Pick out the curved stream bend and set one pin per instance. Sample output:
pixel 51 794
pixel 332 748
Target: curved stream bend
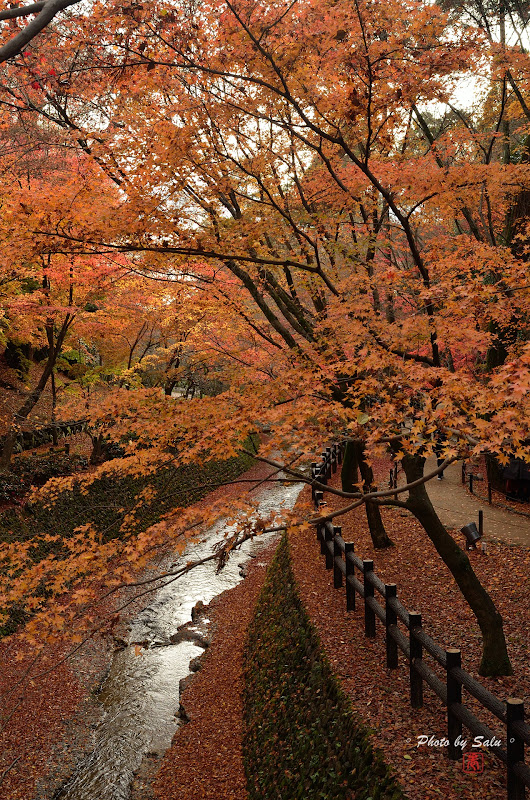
pixel 141 694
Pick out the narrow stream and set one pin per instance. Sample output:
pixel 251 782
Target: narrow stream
pixel 141 694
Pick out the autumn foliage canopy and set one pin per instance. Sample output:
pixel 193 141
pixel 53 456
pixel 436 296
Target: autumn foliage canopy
pixel 316 212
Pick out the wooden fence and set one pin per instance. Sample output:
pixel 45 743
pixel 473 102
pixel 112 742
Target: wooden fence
pixel 415 643
pixel 43 434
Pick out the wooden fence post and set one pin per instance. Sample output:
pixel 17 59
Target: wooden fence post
pixel 323 473
pixel 515 728
pixel 337 553
pixel 334 458
pixel 416 653
pixel 391 619
pixel 328 537
pixel 514 748
pixel 314 469
pixel 350 570
pixel 454 696
pixel 369 616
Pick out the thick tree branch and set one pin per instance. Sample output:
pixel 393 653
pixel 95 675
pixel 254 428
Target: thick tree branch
pixel 46 12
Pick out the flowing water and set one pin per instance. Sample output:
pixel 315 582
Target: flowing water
pixel 141 694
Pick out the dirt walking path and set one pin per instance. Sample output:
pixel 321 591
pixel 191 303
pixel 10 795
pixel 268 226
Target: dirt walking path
pixel 457 507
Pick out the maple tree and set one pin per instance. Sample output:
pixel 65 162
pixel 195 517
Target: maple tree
pixel 43 294
pixel 20 31
pixel 357 261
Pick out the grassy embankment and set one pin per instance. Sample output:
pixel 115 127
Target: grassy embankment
pixel 106 503
pixel 302 737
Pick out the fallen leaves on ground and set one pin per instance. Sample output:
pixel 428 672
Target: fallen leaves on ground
pixel 381 695
pixel 51 726
pixel 205 760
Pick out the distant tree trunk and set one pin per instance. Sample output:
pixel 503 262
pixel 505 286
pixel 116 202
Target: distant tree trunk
pixel 173 365
pixel 22 414
pixel 498 349
pixel 34 396
pixel 495 660
pixel 390 312
pixel 353 462
pixel 97 455
pixel 55 437
pixel 169 385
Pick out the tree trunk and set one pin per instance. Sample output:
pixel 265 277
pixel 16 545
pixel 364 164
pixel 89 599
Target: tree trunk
pixel 380 539
pixel 169 385
pixel 55 435
pixel 33 397
pixel 495 660
pixel 353 462
pixel 378 533
pixel 23 413
pixel 96 456
pixel 349 474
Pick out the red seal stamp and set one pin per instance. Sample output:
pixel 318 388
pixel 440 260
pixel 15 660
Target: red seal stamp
pixel 473 762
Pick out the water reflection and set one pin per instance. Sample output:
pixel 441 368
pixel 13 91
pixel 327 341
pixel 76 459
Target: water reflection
pixel 141 694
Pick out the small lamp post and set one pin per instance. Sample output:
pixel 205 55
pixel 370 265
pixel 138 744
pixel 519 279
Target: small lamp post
pixel 472 535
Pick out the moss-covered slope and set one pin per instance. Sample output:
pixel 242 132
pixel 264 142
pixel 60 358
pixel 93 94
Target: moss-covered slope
pixel 302 738
pixel 105 504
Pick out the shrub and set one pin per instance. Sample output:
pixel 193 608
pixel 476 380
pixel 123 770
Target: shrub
pixel 12 487
pixel 37 469
pixel 302 738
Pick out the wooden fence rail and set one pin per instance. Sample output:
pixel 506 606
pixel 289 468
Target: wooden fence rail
pixel 43 434
pixel 340 557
